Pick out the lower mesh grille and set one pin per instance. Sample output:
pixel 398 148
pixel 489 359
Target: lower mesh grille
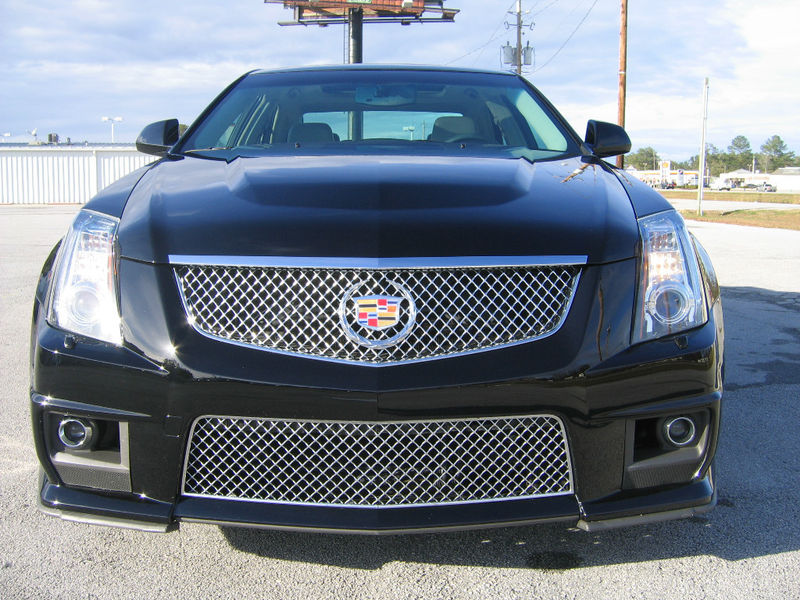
pixel 377 464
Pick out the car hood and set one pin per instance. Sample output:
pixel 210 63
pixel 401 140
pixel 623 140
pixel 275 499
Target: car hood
pixel 377 206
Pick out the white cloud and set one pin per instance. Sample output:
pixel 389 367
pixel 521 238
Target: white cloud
pixel 63 65
pixel 764 95
pixel 748 50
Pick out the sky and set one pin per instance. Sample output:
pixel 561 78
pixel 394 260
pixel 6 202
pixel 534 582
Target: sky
pixel 64 65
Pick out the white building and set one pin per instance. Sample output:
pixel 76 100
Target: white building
pixel 665 175
pixel 786 179
pixel 63 174
pixel 741 178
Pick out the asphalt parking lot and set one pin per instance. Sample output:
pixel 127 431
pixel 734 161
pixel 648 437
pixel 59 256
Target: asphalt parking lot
pixel 748 547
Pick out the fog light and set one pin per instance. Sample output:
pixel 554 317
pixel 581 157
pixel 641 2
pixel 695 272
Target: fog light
pixel 77 434
pixel 679 431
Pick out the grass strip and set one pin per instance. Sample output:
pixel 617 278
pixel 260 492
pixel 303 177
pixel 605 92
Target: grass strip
pixel 734 196
pixel 774 219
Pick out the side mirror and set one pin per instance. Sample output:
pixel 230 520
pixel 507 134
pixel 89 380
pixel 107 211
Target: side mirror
pixel 607 139
pixel 157 138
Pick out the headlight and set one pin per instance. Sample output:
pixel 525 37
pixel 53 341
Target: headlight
pixel 84 295
pixel 670 297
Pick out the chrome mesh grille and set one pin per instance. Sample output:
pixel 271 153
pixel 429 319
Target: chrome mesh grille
pixel 310 310
pixel 377 464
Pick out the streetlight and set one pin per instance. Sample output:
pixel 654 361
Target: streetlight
pixel 410 129
pixel 111 120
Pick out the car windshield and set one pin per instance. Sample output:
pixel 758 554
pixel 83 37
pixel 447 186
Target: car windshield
pixel 367 111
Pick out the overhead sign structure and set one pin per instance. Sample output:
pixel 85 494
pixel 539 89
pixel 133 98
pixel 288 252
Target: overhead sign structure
pixel 328 8
pixel 327 12
pixel 354 13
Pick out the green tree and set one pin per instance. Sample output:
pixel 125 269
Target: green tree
pixel 644 159
pixel 687 165
pixel 739 145
pixel 740 155
pixel 775 154
pixel 717 161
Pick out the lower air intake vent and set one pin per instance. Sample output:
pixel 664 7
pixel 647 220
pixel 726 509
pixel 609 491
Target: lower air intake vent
pixel 377 463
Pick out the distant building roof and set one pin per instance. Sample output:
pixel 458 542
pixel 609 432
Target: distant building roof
pixel 42 144
pixel 741 174
pixel 787 171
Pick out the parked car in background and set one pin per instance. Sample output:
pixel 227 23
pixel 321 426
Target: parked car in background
pixel 720 184
pixel 308 315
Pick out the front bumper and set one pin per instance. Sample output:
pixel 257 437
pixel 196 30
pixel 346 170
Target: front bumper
pixel 601 408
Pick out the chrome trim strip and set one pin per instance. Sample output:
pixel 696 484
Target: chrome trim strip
pixel 194 326
pixel 342 262
pixel 563 431
pixel 83 409
pixel 379 506
pixel 380 532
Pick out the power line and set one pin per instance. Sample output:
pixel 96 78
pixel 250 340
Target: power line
pixel 492 38
pixel 540 11
pixel 574 31
pixel 450 62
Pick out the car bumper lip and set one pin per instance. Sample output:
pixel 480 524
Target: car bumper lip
pixel 647 519
pixel 83 506
pixel 151 516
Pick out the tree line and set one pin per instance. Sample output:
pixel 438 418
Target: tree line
pixel 774 154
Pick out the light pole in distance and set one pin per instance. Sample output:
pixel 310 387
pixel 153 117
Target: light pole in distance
pixel 111 120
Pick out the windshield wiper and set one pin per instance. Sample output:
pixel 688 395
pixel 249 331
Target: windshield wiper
pixel 199 152
pixel 207 149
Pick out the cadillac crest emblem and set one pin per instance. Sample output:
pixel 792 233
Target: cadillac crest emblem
pixel 377 312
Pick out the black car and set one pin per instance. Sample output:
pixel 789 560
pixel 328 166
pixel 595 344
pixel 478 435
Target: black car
pixel 377 300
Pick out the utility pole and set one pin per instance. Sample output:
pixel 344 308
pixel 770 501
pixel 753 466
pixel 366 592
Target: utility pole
pixel 355 27
pixel 701 174
pixel 517 55
pixel 623 67
pixel 355 55
pixel 519 37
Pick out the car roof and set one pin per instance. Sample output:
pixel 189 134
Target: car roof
pixel 381 67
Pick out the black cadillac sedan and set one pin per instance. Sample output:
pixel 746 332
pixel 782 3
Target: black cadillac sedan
pixel 377 300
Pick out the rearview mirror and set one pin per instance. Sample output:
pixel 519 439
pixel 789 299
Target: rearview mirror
pixel 607 139
pixel 157 138
pixel 385 95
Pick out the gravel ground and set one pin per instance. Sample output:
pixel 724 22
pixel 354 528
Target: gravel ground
pixel 748 547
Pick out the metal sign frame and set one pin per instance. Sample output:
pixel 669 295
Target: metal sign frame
pixel 332 12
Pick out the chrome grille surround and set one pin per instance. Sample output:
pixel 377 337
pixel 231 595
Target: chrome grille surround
pixel 309 311
pixel 377 464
